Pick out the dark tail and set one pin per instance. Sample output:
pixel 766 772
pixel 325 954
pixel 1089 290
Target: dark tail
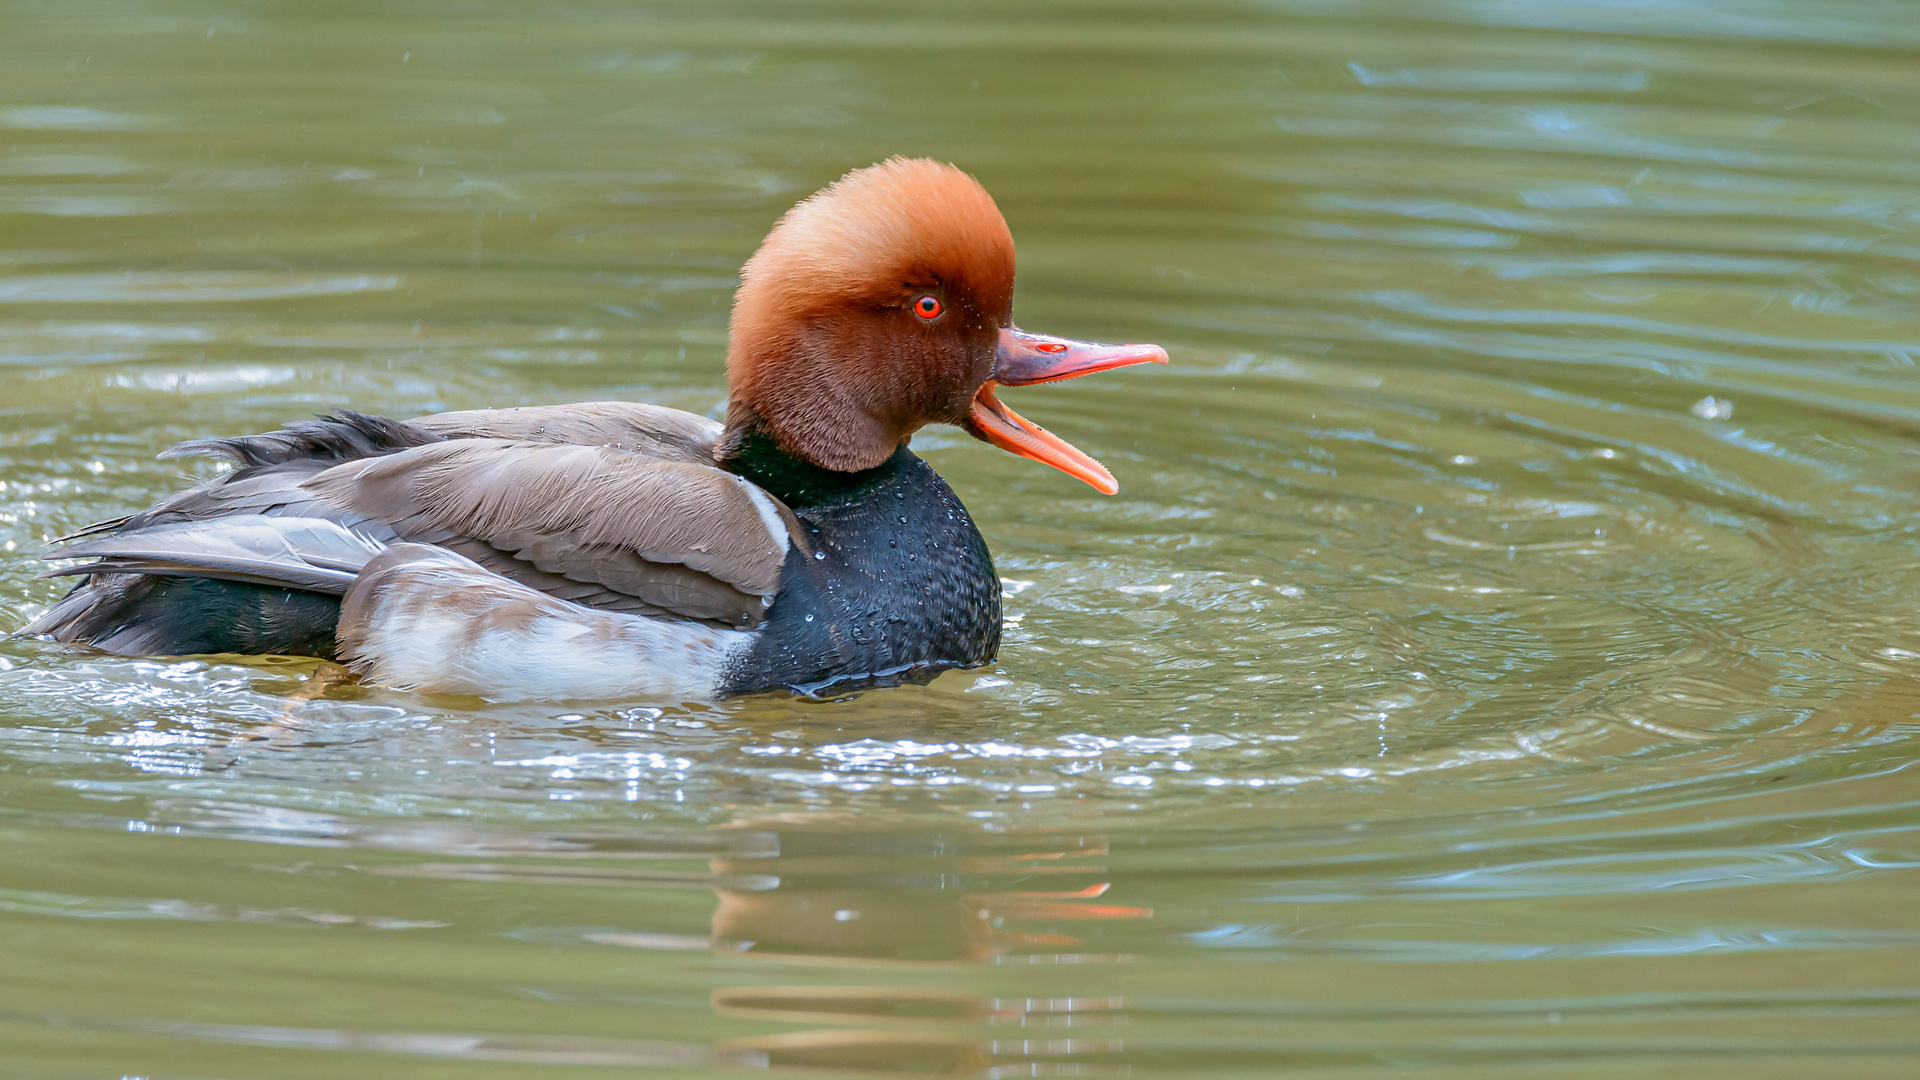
pixel 242 584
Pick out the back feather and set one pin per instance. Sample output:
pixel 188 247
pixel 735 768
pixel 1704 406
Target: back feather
pixel 341 435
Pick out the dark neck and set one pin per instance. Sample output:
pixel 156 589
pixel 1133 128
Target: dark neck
pixel 748 450
pixel 889 580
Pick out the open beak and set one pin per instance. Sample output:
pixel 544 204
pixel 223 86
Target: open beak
pixel 1025 359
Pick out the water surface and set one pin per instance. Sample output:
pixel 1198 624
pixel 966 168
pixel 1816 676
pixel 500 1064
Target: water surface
pixel 1501 658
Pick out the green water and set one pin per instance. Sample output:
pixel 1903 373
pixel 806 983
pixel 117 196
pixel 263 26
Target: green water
pixel 1502 658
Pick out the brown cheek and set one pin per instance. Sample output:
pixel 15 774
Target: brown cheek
pixel 913 378
pixel 966 361
pixel 986 347
pixel 886 370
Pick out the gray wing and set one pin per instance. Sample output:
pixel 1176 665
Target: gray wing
pixel 303 553
pixel 611 505
pixel 600 526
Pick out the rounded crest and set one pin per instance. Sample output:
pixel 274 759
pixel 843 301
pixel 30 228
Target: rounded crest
pixel 825 349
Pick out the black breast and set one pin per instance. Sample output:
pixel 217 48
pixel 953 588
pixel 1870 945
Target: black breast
pixel 892 583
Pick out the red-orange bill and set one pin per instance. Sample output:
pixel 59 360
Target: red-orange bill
pixel 1025 359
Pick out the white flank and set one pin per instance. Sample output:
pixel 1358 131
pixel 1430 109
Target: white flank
pixel 444 624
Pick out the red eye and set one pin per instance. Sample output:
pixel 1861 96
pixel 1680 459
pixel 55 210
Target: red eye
pixel 927 307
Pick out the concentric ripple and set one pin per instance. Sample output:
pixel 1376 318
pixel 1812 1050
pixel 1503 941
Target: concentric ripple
pixel 1501 657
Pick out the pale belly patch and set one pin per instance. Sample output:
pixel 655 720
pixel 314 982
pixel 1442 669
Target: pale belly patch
pixel 424 618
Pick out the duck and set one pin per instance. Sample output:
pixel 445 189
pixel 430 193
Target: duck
pixel 620 550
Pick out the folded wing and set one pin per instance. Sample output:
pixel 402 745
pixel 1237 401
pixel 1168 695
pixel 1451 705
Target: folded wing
pixel 290 552
pixel 609 505
pixel 600 526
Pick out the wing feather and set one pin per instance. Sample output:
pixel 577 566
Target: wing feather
pixel 611 505
pixel 686 538
pixel 304 553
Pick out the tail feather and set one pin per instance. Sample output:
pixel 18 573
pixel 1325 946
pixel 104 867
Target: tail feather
pixel 187 576
pixel 94 529
pixel 170 615
pixel 311 554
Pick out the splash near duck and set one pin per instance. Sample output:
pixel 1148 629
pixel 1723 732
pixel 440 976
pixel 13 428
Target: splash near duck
pixel 610 549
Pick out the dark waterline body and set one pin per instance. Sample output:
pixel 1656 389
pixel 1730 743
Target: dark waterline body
pixel 1500 659
pixel 893 585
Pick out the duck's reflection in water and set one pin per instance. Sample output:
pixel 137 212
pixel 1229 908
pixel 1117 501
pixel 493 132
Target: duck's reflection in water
pixel 895 901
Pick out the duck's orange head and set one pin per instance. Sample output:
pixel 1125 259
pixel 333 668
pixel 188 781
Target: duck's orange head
pixel 884 303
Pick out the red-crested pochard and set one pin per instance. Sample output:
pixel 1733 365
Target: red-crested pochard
pixel 610 550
